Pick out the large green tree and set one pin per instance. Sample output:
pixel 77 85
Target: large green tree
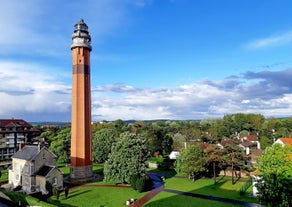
pixel 128 157
pixel 275 176
pixel 234 157
pixel 102 141
pixel 60 145
pixel 191 162
pixel 214 157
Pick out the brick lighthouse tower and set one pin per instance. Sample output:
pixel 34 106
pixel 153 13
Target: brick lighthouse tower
pixel 81 140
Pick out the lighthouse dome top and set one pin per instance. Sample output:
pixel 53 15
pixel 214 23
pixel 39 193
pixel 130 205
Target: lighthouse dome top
pixel 81 26
pixel 80 36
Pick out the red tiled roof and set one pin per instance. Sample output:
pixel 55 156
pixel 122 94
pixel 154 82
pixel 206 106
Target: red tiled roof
pixel 250 137
pixel 13 122
pixel 286 140
pixel 246 143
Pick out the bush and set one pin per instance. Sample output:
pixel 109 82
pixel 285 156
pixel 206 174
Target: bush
pixel 56 193
pixel 49 187
pixel 244 188
pixel 133 181
pixel 141 184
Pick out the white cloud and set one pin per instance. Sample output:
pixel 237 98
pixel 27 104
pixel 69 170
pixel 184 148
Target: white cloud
pixel 275 40
pixel 31 89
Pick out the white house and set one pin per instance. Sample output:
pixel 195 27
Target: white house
pixel 173 155
pixel 32 167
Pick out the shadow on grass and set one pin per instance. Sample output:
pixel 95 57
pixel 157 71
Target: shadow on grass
pixel 165 173
pixel 77 193
pixel 209 195
pixel 59 204
pixel 71 195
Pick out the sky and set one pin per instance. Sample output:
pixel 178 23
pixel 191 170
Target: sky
pixel 150 59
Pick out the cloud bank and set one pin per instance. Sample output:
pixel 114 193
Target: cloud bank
pixel 266 92
pixel 30 93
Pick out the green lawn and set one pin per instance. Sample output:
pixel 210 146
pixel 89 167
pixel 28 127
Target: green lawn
pixel 103 196
pixel 165 199
pixel 222 188
pixel 97 196
pixel 4 176
pixel 65 168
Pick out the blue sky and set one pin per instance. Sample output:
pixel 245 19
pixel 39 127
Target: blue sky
pixel 151 59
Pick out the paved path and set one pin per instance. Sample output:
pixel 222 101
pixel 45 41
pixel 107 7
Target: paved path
pixel 147 197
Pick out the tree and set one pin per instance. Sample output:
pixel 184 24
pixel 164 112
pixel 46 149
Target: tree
pixel 213 159
pixel 234 157
pixel 191 162
pixel 102 141
pixel 60 145
pixel 178 141
pixel 128 157
pixel 275 176
pixel 66 189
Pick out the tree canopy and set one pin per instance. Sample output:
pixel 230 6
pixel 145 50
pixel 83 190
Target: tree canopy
pixel 191 162
pixel 127 158
pixel 275 176
pixel 60 145
pixel 102 141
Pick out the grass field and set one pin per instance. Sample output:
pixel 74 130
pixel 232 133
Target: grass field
pixel 97 196
pixel 115 197
pixel 222 189
pixel 165 199
pixel 4 176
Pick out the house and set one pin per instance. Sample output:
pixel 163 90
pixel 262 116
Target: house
pixel 173 155
pixel 32 167
pixel 249 140
pixel 13 132
pixel 284 141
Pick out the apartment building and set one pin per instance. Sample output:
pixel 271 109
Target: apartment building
pixel 14 132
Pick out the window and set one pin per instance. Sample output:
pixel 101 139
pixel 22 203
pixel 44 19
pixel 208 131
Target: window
pixel 26 180
pixel 26 169
pixel 55 181
pixel 16 167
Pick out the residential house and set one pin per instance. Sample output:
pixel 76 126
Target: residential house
pixel 33 166
pixel 13 132
pixel 284 141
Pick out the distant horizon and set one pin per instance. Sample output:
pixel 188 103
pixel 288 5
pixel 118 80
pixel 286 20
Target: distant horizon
pixel 151 120
pixel 191 61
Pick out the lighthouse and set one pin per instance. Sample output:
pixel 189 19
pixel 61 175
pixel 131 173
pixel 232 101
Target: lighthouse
pixel 81 138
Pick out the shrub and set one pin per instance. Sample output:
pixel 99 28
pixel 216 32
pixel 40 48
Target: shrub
pixel 244 188
pixel 141 184
pixel 133 181
pixel 49 187
pixel 56 193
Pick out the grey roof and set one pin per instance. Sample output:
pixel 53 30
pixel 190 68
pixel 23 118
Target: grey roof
pixel 28 152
